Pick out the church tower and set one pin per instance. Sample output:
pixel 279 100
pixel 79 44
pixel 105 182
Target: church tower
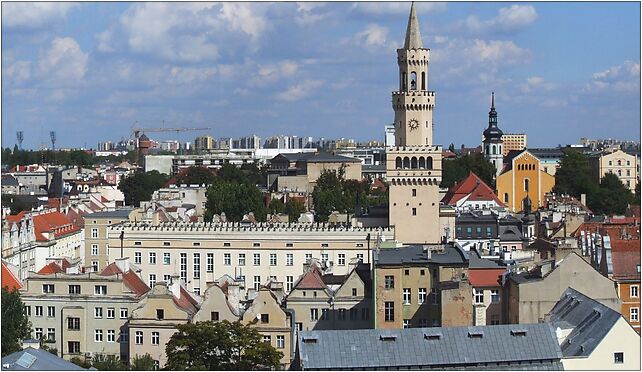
pixel 413 165
pixel 493 144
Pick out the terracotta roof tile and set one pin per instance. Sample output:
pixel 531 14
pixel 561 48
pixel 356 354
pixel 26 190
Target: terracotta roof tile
pixel 9 279
pixel 135 283
pixel 186 301
pixel 55 222
pixel 485 277
pixel 473 186
pixel 311 280
pixel 626 259
pixel 54 268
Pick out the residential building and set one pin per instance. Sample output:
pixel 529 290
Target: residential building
pixel 524 346
pixel 10 185
pixel 83 314
pixel 220 302
pixel 531 295
pixel 32 358
pixel 493 143
pixel 201 252
pixel 479 229
pixel 513 142
pixel 213 159
pixel 32 179
pixel 331 301
pixel 618 162
pixel 472 194
pixel 593 336
pixel 414 163
pixel 10 277
pixel 625 256
pixel 181 196
pixel 485 277
pixel 523 179
pixel 96 255
pixel 19 243
pixel 204 143
pixel 549 158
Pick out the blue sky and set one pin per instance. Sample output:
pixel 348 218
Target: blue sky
pixel 560 71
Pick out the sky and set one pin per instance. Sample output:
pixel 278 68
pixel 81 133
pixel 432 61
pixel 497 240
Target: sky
pixel 90 71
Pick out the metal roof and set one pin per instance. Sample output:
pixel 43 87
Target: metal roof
pixel 415 254
pixel 449 347
pixel 119 213
pixel 31 359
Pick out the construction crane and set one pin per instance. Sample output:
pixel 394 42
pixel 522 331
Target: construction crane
pixel 136 131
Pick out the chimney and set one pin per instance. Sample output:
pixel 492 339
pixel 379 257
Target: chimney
pixel 175 286
pixel 583 199
pixel 234 295
pixel 123 264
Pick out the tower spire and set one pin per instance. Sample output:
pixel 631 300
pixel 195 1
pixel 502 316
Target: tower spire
pixel 413 36
pixel 492 106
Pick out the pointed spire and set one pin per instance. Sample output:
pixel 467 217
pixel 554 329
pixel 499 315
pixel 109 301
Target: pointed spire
pixel 413 36
pixel 492 106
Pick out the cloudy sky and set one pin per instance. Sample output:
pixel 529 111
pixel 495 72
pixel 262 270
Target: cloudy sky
pixel 560 71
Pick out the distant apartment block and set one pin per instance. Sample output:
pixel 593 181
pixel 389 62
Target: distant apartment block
pixel 513 142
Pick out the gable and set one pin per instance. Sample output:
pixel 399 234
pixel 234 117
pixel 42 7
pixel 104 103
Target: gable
pixel 353 281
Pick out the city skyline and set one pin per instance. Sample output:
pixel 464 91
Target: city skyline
pixel 311 69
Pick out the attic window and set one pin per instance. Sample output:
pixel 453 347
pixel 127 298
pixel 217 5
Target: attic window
pixel 432 336
pixel 137 243
pixel 518 332
pixel 387 338
pixel 475 334
pixel 309 340
pixel 160 314
pixel 196 244
pixel 166 243
pixel 265 318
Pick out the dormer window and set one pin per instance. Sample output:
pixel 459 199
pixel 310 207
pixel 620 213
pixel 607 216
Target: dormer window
pixel 160 314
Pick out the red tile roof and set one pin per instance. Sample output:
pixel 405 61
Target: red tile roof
pixel 485 277
pixel 55 222
pixel 9 279
pixel 473 186
pixel 53 267
pixel 311 280
pixel 16 217
pixel 626 259
pixel 186 301
pixel 130 279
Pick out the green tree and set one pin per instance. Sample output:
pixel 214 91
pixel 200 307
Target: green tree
pixel 276 206
pixel 107 363
pixel 573 177
pixel 455 170
pixel 196 175
pixel 220 346
pixel 142 363
pixel 328 195
pixel 82 362
pixel 637 194
pixel 44 345
pixel 140 186
pixel 294 208
pixel 612 197
pixel 235 199
pixel 15 324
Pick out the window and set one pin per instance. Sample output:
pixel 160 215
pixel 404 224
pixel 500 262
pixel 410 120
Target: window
pixel 196 263
pixel 183 268
pixel 634 314
pixel 479 296
pixel 422 295
pixel 111 335
pixel 94 249
pixel 74 347
pixel 360 255
pixel 139 337
pixel 414 192
pixel 38 333
pixel 389 282
pixel 166 258
pixel 124 336
pixel 634 291
pixel 526 184
pixel 280 342
pixel 324 314
pixel 308 257
pixel 314 314
pixel 138 258
pixel 155 338
pixel 38 310
pixel 414 211
pixel 406 296
pixel 435 296
pixel 494 296
pixel 167 278
pixel 505 197
pixel 257 259
pixel 98 335
pixel 324 257
pixel 51 334
pixel 137 243
pixel 94 233
pixel 324 245
pixel 73 324
pixel 166 244
pixel 289 282
pixel 354 292
pixel 241 259
pixel 267 339
pixel 342 314
pixel 27 310
pixel 289 259
pixel 422 272
pixel 74 289
pixel 265 318
pixel 406 272
pixel 272 259
pixel 100 289
pixel 214 316
pixel 197 290
pixel 289 245
pixel 152 258
pixel 227 259
pixel 406 323
pixel 123 313
pixel 160 314
pixel 196 244
pixel 488 231
pixel 341 259
pixel 152 280
pixel 389 311
pixel 210 263
pixel 98 312
pixel 469 232
pixel 111 313
pixel 47 288
pixel 94 266
pixel 257 282
pixel 618 358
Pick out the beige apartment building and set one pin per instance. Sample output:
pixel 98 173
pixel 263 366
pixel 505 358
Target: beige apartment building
pixel 96 256
pixel 618 162
pixel 202 252
pixel 84 314
pixel 513 142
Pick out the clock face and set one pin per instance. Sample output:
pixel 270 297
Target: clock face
pixel 413 124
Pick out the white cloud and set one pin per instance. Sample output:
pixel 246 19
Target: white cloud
pixel 509 19
pixel 624 78
pixel 497 52
pixel 276 72
pixel 536 83
pixel 379 8
pixel 17 72
pixel 373 36
pixel 63 62
pixel 33 15
pixel 306 14
pixel 299 90
pixel 189 75
pixel 241 16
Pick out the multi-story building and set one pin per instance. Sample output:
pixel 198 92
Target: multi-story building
pixel 549 158
pixel 472 194
pixel 414 163
pixel 202 252
pixel 513 142
pixel 83 314
pixel 618 162
pixel 522 179
pixel 96 226
pixel 204 143
pixel 214 159
pixel 625 255
pixel 485 276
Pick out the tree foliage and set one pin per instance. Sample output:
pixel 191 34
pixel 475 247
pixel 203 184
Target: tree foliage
pixel 612 197
pixel 219 346
pixel 293 208
pixel 69 158
pixel 455 170
pixel 573 177
pixel 15 324
pixel 141 185
pixel 142 363
pixel 108 363
pixel 196 176
pixel 82 362
pixel 233 193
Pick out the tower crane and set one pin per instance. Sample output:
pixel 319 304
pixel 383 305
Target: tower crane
pixel 136 131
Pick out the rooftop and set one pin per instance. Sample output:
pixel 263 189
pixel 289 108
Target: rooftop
pixel 31 359
pixel 422 255
pixel 119 213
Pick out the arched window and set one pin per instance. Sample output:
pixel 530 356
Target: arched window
pixel 413 163
pixel 422 162
pixel 413 81
pixel 526 184
pixel 619 162
pixel 505 197
pixel 423 80
pixel 494 150
pixel 406 162
pixel 404 81
pixel 429 162
pixel 619 172
pixel 488 149
pixel 398 163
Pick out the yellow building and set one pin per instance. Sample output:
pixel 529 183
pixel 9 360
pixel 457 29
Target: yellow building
pixel 522 177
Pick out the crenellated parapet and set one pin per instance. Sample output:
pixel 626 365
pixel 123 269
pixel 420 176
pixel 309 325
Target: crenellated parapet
pixel 211 227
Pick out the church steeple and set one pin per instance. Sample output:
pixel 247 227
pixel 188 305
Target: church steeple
pixel 493 145
pixel 413 36
pixel 492 133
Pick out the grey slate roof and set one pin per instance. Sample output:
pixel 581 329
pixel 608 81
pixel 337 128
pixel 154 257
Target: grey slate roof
pixel 9 180
pixel 450 347
pixel 591 322
pixel 36 360
pixel 321 157
pixel 414 254
pixel 119 213
pixel 511 233
pixel 475 217
pixel 476 262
